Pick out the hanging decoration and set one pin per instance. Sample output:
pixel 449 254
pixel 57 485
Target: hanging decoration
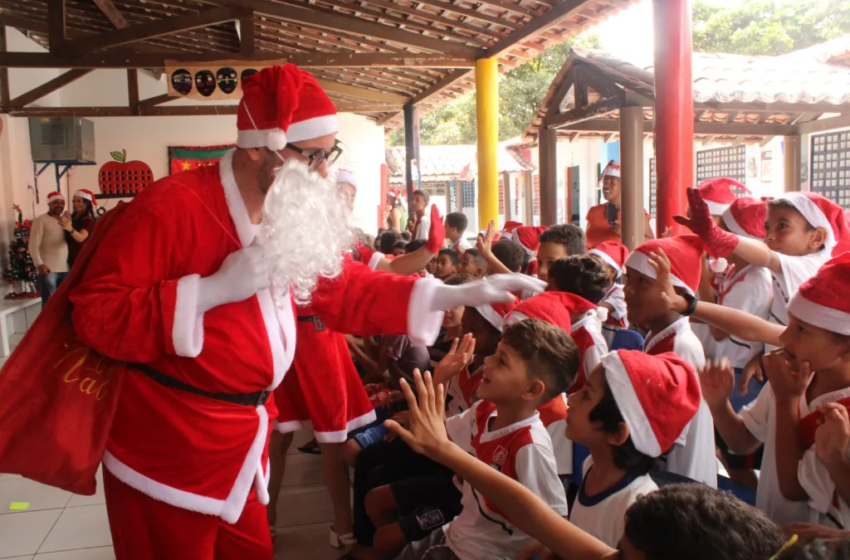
pixel 210 80
pixel 185 158
pixel 21 269
pixel 123 179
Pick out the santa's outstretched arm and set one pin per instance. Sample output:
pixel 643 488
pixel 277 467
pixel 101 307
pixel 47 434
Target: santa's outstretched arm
pixel 366 302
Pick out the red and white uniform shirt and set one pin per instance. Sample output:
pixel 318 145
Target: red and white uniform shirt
pixel 460 393
pixel 592 347
pixel 553 414
pixel 137 303
pixel 617 315
pixel 795 271
pixel 603 515
pixel 522 451
pixel 760 419
pixel 749 290
pixel 696 458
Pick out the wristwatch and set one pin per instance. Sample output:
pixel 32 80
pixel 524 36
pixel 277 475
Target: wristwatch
pixel 692 305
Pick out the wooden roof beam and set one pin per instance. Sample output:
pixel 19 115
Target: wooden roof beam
pixel 112 13
pixel 46 88
pixel 432 17
pixel 155 29
pixel 470 13
pixel 730 129
pixel 537 25
pixel 247 41
pixel 511 7
pixel 361 93
pixel 56 24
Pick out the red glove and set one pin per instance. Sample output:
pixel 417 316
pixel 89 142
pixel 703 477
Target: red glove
pixel 719 243
pixel 437 233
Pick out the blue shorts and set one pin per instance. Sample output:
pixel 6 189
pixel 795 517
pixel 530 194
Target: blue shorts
pixel 371 434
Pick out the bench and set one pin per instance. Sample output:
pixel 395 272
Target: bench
pixel 7 308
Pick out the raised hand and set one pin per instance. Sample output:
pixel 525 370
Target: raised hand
pixel 459 356
pixel 436 233
pixel 497 289
pixel 752 369
pixel 660 263
pixel 427 432
pixel 832 437
pixel 716 379
pixel 720 243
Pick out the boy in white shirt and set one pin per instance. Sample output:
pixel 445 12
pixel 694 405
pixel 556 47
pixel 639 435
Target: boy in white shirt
pixel 532 365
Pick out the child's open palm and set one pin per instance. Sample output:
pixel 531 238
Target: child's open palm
pixel 832 437
pixel 459 356
pixel 716 379
pixel 427 433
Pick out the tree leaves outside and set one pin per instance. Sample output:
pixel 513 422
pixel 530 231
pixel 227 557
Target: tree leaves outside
pixel 752 27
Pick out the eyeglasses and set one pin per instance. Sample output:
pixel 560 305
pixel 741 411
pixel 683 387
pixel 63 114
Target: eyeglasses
pixel 317 157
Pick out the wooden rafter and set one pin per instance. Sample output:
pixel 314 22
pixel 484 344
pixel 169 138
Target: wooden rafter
pixel 724 129
pixel 154 101
pixel 584 112
pixel 4 74
pixel 247 40
pixel 56 23
pixel 471 13
pixel 536 25
pixel 112 13
pixel 133 90
pixel 433 17
pixel 361 93
pixel 46 88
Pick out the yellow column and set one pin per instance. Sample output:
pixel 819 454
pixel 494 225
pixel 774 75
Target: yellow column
pixel 487 117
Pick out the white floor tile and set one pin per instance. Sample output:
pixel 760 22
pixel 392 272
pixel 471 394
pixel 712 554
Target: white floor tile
pixel 38 495
pixel 79 527
pixel 302 469
pixel 98 498
pixel 100 553
pixel 304 505
pixel 309 541
pixel 23 533
pixel 301 437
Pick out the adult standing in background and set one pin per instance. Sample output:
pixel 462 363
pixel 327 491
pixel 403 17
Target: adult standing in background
pixel 420 223
pixel 48 248
pixel 79 225
pixel 601 226
pixel 397 218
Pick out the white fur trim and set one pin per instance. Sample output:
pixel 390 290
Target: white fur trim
pixel 601 314
pixel 627 401
pixel 346 176
pixel 733 226
pixel 54 196
pixel 84 195
pixel 376 260
pixel 640 262
pixel 244 228
pixel 292 426
pixel 313 128
pixel 827 318
pixel 423 323
pixel 716 208
pixel 262 486
pixel 340 436
pixel 187 332
pixel 492 316
pixel 272 138
pixel 229 509
pixel 813 214
pixel 608 260
pixel 515 317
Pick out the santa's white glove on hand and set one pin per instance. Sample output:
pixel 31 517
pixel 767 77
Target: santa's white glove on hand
pixel 496 289
pixel 242 274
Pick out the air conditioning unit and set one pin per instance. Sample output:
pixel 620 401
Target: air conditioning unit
pixel 62 139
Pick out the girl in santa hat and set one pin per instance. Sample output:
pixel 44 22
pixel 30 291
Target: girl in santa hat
pixel 80 224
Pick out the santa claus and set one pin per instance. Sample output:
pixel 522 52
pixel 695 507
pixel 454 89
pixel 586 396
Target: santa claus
pixel 196 289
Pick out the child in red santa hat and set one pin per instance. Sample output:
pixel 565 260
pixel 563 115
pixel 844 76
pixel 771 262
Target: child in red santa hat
pixel 613 255
pixel 648 305
pixel 528 237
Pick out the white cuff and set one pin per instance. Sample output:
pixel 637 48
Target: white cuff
pixel 423 324
pixel 376 260
pixel 187 332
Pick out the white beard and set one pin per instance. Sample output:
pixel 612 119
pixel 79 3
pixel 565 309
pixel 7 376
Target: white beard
pixel 305 231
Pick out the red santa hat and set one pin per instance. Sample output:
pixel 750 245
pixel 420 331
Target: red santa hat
pixel 822 300
pixel 528 237
pixel 613 253
pixel 685 254
pixel 745 217
pixel 510 226
pixel 269 99
pixel 611 170
pixel 54 196
pixel 719 193
pixel 657 396
pixel 821 212
pixel 346 176
pixel 315 115
pixel 86 194
pixel 495 313
pixel 551 307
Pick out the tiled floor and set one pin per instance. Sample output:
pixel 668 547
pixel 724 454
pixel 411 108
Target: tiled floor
pixel 59 525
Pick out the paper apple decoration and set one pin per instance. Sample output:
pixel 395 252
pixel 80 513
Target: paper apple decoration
pixel 124 178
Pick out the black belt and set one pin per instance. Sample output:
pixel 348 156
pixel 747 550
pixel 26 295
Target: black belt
pixel 250 399
pixel 317 323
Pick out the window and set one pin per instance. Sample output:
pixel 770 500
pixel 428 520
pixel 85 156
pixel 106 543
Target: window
pixel 467 190
pixel 831 166
pixel 723 162
pixel 653 181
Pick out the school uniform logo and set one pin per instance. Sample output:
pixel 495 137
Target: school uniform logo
pixel 500 455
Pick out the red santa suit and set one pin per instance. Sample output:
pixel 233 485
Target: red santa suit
pixel 182 445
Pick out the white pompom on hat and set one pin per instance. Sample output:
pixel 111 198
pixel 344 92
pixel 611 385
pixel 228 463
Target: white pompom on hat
pixel 269 99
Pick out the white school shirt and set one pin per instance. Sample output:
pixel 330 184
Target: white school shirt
pixel 461 245
pixel 750 290
pixel 826 506
pixel 795 271
pixel 423 226
pixel 553 414
pixel 703 333
pixel 760 419
pixel 592 346
pixel 604 515
pixel 696 458
pixel 522 451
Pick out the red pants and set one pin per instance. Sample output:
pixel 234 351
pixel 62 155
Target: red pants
pixel 146 529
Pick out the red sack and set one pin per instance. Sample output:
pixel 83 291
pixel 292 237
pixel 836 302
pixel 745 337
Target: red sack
pixel 59 397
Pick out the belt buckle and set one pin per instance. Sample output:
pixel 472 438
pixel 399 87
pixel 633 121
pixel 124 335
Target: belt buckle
pixel 318 324
pixel 264 395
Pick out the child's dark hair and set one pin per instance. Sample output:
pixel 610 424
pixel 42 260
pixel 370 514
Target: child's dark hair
pixel 699 523
pixel 405 235
pixel 509 254
pixel 424 194
pixel 452 254
pixel 457 220
pixel 387 241
pixel 785 204
pixel 414 246
pixel 569 235
pixel 458 280
pixel 626 456
pixel 400 244
pixel 817 549
pixel 549 352
pixel 581 275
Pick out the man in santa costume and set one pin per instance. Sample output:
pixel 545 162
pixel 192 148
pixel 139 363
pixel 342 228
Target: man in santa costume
pixel 195 290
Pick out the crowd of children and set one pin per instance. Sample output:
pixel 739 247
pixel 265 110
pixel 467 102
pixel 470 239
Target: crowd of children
pixel 599 418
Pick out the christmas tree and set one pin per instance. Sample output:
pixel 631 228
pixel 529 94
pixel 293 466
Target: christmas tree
pixel 21 267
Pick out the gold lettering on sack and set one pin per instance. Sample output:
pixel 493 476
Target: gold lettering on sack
pixel 90 372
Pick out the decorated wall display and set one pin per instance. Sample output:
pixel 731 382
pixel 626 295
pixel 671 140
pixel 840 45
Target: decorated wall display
pixel 210 80
pixel 121 178
pixel 185 158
